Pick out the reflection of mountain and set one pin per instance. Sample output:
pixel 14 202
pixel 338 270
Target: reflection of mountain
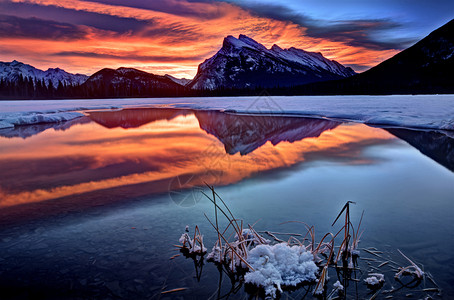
pixel 434 144
pixel 25 131
pixel 238 133
pixel 132 118
pixel 245 133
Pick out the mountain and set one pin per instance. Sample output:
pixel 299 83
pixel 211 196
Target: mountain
pixel 424 68
pixel 244 63
pixel 129 82
pixel 245 133
pixel 427 65
pixel 12 71
pixel 180 81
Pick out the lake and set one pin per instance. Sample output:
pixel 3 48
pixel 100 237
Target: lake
pixel 92 207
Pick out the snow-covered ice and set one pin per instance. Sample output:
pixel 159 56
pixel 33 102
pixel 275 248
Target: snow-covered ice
pixel 419 111
pixel 280 265
pixel 12 120
pixel 375 279
pixel 338 286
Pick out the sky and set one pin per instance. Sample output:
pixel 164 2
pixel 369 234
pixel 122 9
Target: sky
pixel 175 36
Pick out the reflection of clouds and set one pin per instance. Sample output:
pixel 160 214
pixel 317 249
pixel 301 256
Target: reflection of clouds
pixel 90 158
pixel 138 138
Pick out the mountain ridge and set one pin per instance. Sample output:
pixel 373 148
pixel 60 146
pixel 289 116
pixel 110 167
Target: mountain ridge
pixel 245 67
pixel 245 63
pixel 424 68
pixel 124 82
pixel 12 71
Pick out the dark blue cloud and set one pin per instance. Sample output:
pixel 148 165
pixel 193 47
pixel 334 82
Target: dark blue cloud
pixel 15 27
pixel 132 56
pixel 357 33
pixel 171 32
pixel 101 21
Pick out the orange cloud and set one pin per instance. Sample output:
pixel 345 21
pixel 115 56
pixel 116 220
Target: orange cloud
pixel 165 42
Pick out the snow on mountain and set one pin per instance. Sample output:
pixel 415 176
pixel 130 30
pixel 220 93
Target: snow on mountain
pixel 11 71
pixel 312 59
pixel 180 81
pixel 244 62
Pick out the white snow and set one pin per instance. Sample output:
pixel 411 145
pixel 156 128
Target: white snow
pixel 215 254
pixel 338 286
pixel 421 111
pixel 280 265
pixel 193 245
pixel 15 119
pixel 311 59
pixel 180 81
pixel 375 279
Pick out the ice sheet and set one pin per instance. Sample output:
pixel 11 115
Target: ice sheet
pixel 419 111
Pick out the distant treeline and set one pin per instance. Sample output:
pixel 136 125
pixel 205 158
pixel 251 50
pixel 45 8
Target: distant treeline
pixel 27 88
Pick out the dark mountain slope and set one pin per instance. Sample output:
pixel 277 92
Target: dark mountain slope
pixel 129 82
pixel 426 67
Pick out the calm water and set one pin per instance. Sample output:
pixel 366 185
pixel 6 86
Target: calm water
pixel 92 208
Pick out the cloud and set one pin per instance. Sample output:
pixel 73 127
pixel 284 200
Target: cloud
pixel 16 27
pixel 97 20
pixel 360 33
pixel 125 21
pixel 357 33
pixel 128 56
pixel 178 33
pixel 175 7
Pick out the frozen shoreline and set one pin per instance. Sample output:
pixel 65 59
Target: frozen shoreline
pixel 420 111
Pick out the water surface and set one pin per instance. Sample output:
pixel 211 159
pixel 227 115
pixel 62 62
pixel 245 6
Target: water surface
pixel 93 207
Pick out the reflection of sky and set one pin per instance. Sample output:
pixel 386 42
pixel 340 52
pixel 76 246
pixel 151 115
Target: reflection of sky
pixel 406 196
pixel 89 158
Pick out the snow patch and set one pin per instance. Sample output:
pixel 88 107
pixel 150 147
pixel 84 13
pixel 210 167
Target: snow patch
pixel 338 286
pixel 280 265
pixel 12 120
pixel 375 279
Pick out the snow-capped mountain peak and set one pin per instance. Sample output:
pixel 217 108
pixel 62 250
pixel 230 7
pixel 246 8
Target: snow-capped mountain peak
pixel 11 71
pixel 251 42
pixel 276 48
pixel 243 62
pixel 180 81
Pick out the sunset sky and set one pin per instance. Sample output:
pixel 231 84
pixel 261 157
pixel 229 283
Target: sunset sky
pixel 174 36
